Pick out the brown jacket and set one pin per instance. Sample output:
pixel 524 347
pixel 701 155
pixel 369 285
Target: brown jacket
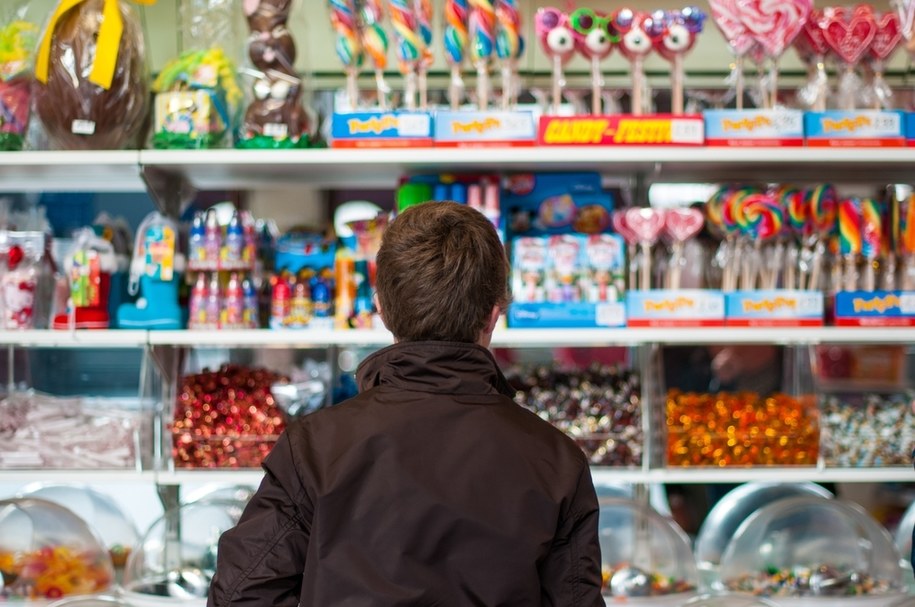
pixel 430 488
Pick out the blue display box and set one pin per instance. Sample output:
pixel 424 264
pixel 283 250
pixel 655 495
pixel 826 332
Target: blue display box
pixel 382 129
pixel 485 129
pixel 675 308
pixel 775 308
pixel 910 127
pixel 859 128
pixel 566 315
pixel 753 128
pixel 875 308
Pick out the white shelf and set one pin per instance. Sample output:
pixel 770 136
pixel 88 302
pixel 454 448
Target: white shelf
pixel 268 338
pixel 82 171
pixel 234 477
pixel 75 339
pixel 82 476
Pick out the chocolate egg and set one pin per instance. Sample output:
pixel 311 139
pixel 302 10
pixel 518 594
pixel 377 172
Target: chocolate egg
pixel 78 114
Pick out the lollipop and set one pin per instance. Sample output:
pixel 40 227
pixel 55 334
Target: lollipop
pixel 674 35
pixel 619 226
pixel 884 44
pixel 558 42
pixel 680 225
pixel 482 26
pixel 849 35
pixel 409 46
pixel 349 48
pixel 375 43
pixel 871 240
pixel 647 225
pixel 594 39
pixel 509 46
pixel 422 9
pixel 761 218
pixel 457 37
pixel 850 240
pixel 726 17
pixel 635 45
pixel 908 245
pixel 823 205
pixel 812 48
pixel 797 211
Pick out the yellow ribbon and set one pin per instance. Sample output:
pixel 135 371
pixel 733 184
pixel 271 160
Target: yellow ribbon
pixel 107 45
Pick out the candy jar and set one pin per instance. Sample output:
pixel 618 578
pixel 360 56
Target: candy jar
pixel 645 557
pixel 812 551
pixel 47 552
pixel 175 560
pixel 18 39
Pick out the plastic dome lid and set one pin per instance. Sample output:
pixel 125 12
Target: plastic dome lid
pixel 903 536
pixel 735 507
pixel 728 599
pixel 47 552
pixel 176 559
pixel 98 510
pixel 221 492
pixel 644 556
pixel 812 547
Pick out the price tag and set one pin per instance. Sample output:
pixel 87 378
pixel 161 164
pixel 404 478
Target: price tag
pixel 83 127
pixel 414 125
pixel 687 131
pixel 907 303
pixel 610 314
pixel 885 122
pixel 274 129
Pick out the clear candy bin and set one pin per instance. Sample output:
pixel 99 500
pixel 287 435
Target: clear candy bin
pixel 645 558
pixel 813 552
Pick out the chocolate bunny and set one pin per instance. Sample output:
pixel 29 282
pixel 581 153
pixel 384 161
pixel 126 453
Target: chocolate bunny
pixel 271 46
pixel 276 110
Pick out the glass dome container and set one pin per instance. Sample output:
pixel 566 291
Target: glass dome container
pixel 734 508
pixel 176 559
pixel 94 600
pixel 645 558
pixel 809 551
pixel 47 552
pixel 100 512
pixel 728 599
pixel 222 492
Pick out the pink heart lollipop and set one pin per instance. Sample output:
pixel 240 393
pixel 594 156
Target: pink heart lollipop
pixel 849 36
pixel 647 225
pixel 884 44
pixel 635 44
pixel 632 240
pixel 558 43
pixel 726 17
pixel 680 225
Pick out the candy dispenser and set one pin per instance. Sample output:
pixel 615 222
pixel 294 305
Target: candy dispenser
pixel 811 551
pixel 47 552
pixel 176 558
pixel 18 39
pixel 646 558
pixel 88 266
pixel 731 511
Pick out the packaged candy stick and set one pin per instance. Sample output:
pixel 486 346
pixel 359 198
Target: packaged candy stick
pixel 558 43
pixel 850 240
pixel 457 40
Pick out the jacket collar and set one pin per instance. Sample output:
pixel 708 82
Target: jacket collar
pixel 434 366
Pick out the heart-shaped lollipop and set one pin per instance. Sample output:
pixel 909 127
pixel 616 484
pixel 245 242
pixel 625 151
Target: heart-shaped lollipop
pixel 647 225
pixel 774 24
pixel 849 36
pixel 887 38
pixel 618 220
pixel 683 224
pixel 811 42
pixel 727 17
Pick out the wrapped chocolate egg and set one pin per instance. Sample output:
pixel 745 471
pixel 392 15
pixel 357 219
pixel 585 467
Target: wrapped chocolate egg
pixel 83 104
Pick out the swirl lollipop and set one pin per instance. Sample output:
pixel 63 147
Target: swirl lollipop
pixel 348 45
pixel 850 240
pixel 509 46
pixel 594 39
pixel 422 10
pixel 871 240
pixel 482 27
pixel 409 46
pixel 761 218
pixel 797 212
pixel 822 206
pixel 676 37
pixel 727 18
pixel 635 44
pixel 558 42
pixel 375 43
pixel 457 38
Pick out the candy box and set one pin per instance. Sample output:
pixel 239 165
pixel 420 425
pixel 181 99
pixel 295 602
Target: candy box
pixel 910 127
pixel 188 116
pixel 675 308
pixel 859 128
pixel 661 129
pixel 537 204
pixel 754 128
pixel 485 129
pixel 874 308
pixel 382 129
pixel 774 308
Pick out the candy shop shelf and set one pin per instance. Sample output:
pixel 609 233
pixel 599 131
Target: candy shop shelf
pixel 245 476
pixel 267 338
pixel 74 339
pixel 81 476
pixel 83 171
pixel 247 169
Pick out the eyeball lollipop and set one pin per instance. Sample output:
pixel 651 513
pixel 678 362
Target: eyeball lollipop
pixel 680 31
pixel 635 44
pixel 558 42
pixel 594 39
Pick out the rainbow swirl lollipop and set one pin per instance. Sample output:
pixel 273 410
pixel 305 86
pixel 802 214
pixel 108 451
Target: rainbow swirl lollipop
pixel 457 39
pixel 509 46
pixel 348 46
pixel 761 217
pixel 850 222
pixel 409 45
pixel 482 27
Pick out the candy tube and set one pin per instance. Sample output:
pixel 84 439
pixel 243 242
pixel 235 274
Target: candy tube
pixel 482 28
pixel 422 9
pixel 348 45
pixel 375 44
pixel 850 241
pixel 457 37
pixel 409 46
pixel 509 46
pixel 871 240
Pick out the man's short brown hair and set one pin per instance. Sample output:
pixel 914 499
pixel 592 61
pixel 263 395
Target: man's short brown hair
pixel 441 270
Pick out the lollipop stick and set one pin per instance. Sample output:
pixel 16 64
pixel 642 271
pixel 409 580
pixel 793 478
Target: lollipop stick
pixel 645 278
pixel 739 82
pixel 507 86
pixel 791 261
pixel 889 273
pixel 822 84
pixel 410 90
pixel 456 87
pixel 382 88
pixel 632 252
pixel 557 83
pixel 677 85
pixel 676 265
pixel 850 277
pixel 352 88
pixel 596 83
pixel 869 280
pixel 423 87
pixel 773 77
pixel 638 78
